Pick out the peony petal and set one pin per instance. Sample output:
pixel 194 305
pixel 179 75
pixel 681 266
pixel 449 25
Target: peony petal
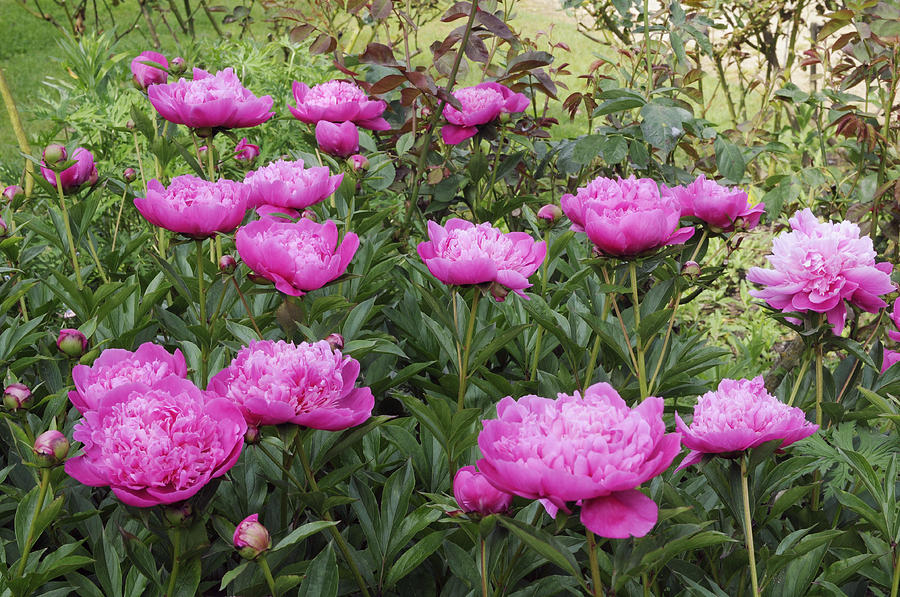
pixel 620 515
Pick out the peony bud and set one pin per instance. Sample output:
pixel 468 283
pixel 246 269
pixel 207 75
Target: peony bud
pixel 17 396
pixel 337 139
pixel 252 434
pixel 474 493
pixel 257 279
pixel 251 538
pixel 71 342
pixel 178 514
pixel 550 212
pixel 309 215
pixel 130 125
pixel 177 66
pixel 11 192
pixel 245 151
pixel 498 291
pixel 691 270
pixel 50 448
pixel 336 341
pixel 54 154
pixel 3 228
pixel 358 162
pixel 129 174
pixel 227 264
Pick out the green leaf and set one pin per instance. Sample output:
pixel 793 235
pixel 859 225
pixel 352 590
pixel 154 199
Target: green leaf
pixel 188 578
pixel 414 556
pixel 24 515
pixel 322 575
pixel 302 532
pixel 729 159
pixel 544 544
pixel 663 125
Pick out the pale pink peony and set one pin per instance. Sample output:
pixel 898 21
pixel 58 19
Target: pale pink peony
pixel 462 253
pixel 738 416
pixel 157 444
pixel 145 72
pixel 474 493
pixel 289 184
pixel 819 265
pixel 305 384
pixel 83 171
pixel 338 101
pixel 625 217
pixel 296 256
pixel 117 367
pixel 481 104
pixel 723 208
pixel 591 449
pixel 210 102
pixel 194 207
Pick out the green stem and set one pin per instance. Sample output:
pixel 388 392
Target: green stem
pixel 287 474
pixel 647 46
pixel 137 152
pixel 267 572
pixel 464 361
pixel 484 580
pixel 595 351
pixel 596 583
pixel 93 251
pixel 895 585
pixel 247 307
pixel 71 238
pixel 29 538
pixel 19 131
pixel 540 331
pixel 814 502
pixel 119 219
pixel 748 527
pixel 665 346
pixel 799 380
pixel 615 306
pixel 639 348
pixel 176 560
pixel 201 292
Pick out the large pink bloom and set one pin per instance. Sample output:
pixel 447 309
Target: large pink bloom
pixel 117 367
pixel 296 256
pixel 462 253
pixel 591 449
pixel 481 104
pixel 304 384
pixel 338 101
pixel 723 208
pixel 210 101
pixel 625 217
pixel 738 416
pixel 289 184
pixel 82 171
pixel 194 207
pixel 819 265
pixel 157 444
pixel 145 74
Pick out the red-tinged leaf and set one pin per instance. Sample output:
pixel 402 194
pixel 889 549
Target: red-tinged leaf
pixel 457 11
pixel 528 61
pixel 386 84
pixel 381 9
pixel 422 81
pixel 379 54
pixel 354 6
pixel 476 51
pixel 844 39
pixel 300 33
pixel 323 44
pixel 408 95
pixel 449 98
pixel 810 61
pixel 544 82
pixel 494 25
pixel 345 70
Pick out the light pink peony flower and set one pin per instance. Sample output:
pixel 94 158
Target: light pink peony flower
pixel 157 444
pixel 723 208
pixel 339 140
pixel 289 184
pixel 296 256
pixel 210 101
pixel 72 178
pixel 251 538
pixel 549 212
pixel 481 104
pixel 625 217
pixel 591 449
pixel 117 367
pixel 194 207
pixel 338 101
pixel 474 493
pixel 738 416
pixel 819 265
pixel 245 151
pixel 461 253
pixel 305 384
pixel 145 73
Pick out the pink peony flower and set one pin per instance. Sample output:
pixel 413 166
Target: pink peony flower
pixel 338 101
pixel 358 162
pixel 145 72
pixel 888 358
pixel 591 449
pixel 738 416
pixel 723 208
pixel 895 319
pixel 17 396
pixel 72 178
pixel 296 256
pixel 462 253
pixel 251 538
pixel 625 217
pixel 819 265
pixel 549 212
pixel 210 101
pixel 245 151
pixel 481 104
pixel 289 184
pixel 474 493
pixel 305 384
pixel 71 342
pixel 279 214
pixel 50 448
pixel 157 444
pixel 13 191
pixel 337 139
pixel 194 207
pixel 117 367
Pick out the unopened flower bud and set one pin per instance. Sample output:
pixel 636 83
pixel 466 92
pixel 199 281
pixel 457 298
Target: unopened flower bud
pixel 550 212
pixel 54 154
pixel 691 270
pixel 257 279
pixel 178 514
pixel 177 66
pixel 251 436
pixel 310 215
pixel 475 494
pixel 358 162
pixel 71 342
pixel 129 174
pixel 336 341
pixel 17 396
pixel 130 125
pixel 12 192
pixel 251 538
pixel 50 448
pixel 227 264
pixel 498 291
pixel 3 228
pixel 204 132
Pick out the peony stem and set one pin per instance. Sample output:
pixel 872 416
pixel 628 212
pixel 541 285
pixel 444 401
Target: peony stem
pixel 93 251
pixel 748 526
pixel 615 306
pixel 484 582
pixel 814 502
pixel 247 307
pixel 70 238
pixel 137 152
pixel 540 331
pixel 176 560
pixel 596 583
pixel 665 345
pixel 639 345
pixel 267 572
pixel 29 538
pixel 800 375
pixel 895 585
pixel 202 302
pixel 464 361
pixel 119 219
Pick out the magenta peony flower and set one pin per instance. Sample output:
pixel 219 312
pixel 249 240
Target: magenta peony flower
pixel 481 104
pixel 337 139
pixel 289 184
pixel 245 151
pixel 474 493
pixel 305 384
pixel 296 256
pixel 210 101
pixel 251 538
pixel 72 178
pixel 12 192
pixel 338 101
pixel 738 416
pixel 157 444
pixel 723 208
pixel 819 265
pixel 549 212
pixel 895 319
pixel 592 449
pixel 625 217
pixel 279 214
pixel 194 207
pixel 145 73
pixel 117 367
pixel 462 253
pixel 888 358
